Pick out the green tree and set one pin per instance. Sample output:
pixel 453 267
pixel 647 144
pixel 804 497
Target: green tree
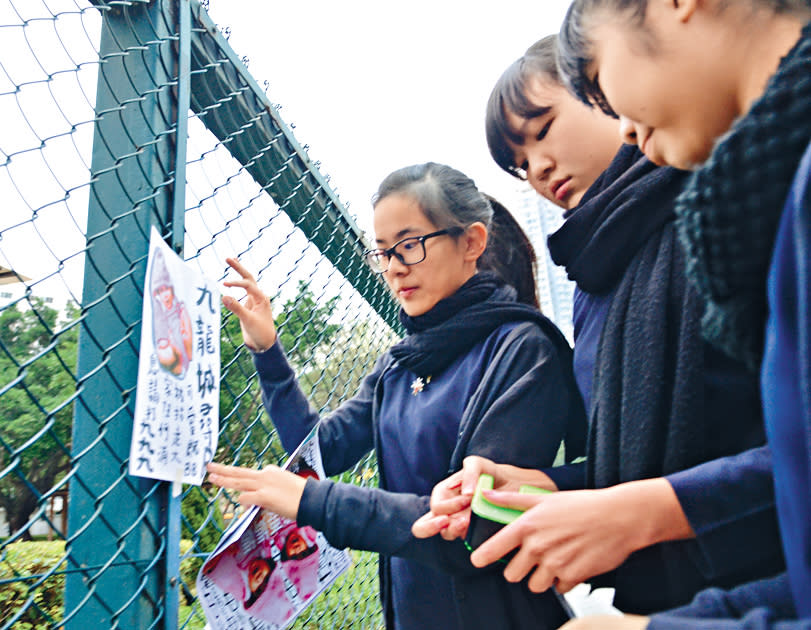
pixel 350 356
pixel 37 380
pixel 304 325
pixel 305 331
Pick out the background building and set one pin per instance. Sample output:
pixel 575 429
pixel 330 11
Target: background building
pixel 539 219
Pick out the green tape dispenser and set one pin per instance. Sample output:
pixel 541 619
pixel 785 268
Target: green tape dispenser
pixel 487 518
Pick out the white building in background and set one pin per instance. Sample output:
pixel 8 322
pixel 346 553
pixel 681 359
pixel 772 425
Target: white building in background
pixel 540 218
pixel 14 288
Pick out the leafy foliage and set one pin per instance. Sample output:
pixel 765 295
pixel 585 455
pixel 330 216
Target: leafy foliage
pixel 306 333
pixel 40 563
pixel 304 325
pixel 37 380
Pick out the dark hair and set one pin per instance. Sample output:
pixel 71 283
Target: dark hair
pixel 511 255
pixel 510 95
pixel 575 47
pixel 575 50
pixel 449 198
pixel 446 196
pixel 261 588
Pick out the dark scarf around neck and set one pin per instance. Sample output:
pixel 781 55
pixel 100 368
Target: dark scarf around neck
pixel 469 316
pixel 730 209
pixel 629 202
pixel 457 323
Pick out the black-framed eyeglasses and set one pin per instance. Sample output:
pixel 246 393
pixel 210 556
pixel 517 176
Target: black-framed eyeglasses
pixel 409 251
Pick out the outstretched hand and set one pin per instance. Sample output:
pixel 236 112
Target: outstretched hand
pixel 255 315
pixel 451 498
pixel 272 488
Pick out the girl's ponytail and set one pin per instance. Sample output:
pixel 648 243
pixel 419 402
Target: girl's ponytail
pixel 510 254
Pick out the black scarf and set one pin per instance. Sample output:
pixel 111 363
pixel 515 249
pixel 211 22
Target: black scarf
pixel 647 393
pixel 460 321
pixel 615 217
pixel 730 209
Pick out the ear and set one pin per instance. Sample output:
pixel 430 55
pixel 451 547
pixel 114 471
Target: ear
pixel 684 8
pixel 475 241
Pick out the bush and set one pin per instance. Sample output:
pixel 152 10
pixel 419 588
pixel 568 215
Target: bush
pixel 27 563
pixel 202 525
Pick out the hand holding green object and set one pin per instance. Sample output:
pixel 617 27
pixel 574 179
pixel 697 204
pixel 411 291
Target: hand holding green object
pixel 486 517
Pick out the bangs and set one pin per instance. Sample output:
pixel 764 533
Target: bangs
pixel 509 95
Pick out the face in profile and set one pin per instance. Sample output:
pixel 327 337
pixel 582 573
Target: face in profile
pixel 447 264
pixel 666 80
pixel 564 150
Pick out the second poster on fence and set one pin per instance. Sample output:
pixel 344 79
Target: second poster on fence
pixel 266 569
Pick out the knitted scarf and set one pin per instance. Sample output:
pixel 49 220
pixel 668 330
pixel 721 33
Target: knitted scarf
pixel 615 217
pixel 459 322
pixel 729 211
pixel 647 416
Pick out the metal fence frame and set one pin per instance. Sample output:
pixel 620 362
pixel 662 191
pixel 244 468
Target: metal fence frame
pixel 159 61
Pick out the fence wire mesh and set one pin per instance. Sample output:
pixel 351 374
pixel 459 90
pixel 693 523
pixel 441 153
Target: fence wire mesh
pixel 118 116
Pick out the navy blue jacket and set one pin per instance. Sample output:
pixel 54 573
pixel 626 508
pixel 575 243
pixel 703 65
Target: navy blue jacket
pixel 515 412
pixel 785 602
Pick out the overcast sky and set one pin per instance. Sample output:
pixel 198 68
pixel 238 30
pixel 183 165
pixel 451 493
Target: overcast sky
pixel 370 86
pixel 373 85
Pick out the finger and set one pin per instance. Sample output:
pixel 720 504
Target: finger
pixel 237 484
pixel 429 525
pixel 564 586
pixel 521 565
pixel 232 471
pixel 242 284
pixel 458 526
pixel 515 500
pixel 235 306
pixel 542 579
pixel 472 467
pixel 249 498
pixel 497 546
pixel 239 268
pixel 450 486
pixel 450 506
pixel 251 289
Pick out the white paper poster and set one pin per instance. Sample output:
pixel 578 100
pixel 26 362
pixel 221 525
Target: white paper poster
pixel 266 569
pixel 176 422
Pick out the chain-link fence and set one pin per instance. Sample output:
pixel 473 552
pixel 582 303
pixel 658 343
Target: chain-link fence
pixel 117 116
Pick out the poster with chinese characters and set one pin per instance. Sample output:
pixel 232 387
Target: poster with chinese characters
pixel 266 569
pixel 176 421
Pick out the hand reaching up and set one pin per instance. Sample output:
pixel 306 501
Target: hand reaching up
pixel 255 315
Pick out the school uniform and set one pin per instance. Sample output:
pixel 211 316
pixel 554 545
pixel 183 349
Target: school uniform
pixel 662 401
pixel 749 251
pixel 785 601
pixel 507 394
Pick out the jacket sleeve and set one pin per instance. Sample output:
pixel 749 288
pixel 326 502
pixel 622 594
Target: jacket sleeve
pixel 740 509
pixel 762 605
pixel 568 476
pixel 521 410
pixel 371 519
pixel 344 436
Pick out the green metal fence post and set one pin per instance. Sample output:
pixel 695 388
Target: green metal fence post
pixel 117 525
pixel 174 513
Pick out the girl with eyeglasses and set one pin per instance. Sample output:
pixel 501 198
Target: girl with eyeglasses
pixel 479 373
pixel 665 407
